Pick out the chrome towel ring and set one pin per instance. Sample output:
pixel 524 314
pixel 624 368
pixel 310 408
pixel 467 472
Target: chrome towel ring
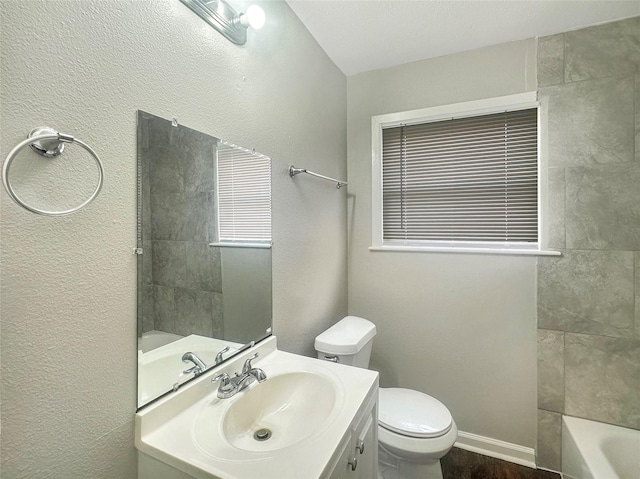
pixel 50 143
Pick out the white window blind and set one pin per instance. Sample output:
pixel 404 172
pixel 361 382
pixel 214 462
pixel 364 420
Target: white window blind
pixel 464 180
pixel 244 196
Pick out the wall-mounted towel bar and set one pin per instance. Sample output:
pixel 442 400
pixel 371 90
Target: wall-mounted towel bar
pixel 293 171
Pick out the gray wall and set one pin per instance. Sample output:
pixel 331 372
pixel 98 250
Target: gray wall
pixel 68 284
pixel 589 299
pixel 246 288
pixel 460 327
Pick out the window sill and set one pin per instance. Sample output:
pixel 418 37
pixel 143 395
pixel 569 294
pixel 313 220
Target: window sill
pixel 242 245
pixel 498 251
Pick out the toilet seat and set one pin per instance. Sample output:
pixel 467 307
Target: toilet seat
pixel 412 414
pixel 417 450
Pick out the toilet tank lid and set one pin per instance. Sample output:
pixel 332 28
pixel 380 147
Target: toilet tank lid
pixel 347 336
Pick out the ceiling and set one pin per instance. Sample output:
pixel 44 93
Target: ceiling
pixel 364 35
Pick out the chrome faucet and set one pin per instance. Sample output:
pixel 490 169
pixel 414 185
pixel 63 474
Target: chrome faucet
pixel 230 386
pixel 199 365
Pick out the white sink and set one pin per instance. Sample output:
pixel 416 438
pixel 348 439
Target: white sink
pixel 294 406
pixel 286 409
pixel 306 404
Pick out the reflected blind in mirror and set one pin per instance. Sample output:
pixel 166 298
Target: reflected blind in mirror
pixel 244 195
pixel 469 180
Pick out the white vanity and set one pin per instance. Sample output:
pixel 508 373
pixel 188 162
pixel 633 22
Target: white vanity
pixel 309 419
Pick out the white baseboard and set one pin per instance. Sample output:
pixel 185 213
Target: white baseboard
pixel 487 446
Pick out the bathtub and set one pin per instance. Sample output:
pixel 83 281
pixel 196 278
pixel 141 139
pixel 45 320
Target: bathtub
pixel 155 339
pixel 593 450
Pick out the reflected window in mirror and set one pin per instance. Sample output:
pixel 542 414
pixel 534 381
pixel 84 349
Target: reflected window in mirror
pixel 243 180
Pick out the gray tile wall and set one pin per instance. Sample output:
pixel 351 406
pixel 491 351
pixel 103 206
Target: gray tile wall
pixel 181 272
pixel 589 299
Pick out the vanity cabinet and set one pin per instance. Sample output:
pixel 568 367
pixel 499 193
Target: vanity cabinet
pixel 192 433
pixel 358 452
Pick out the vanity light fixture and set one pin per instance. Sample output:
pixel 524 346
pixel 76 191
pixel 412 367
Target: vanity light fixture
pixel 221 16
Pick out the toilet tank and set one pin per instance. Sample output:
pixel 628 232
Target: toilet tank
pixel 347 342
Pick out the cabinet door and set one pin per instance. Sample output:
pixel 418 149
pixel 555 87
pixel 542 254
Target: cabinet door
pixel 359 456
pixel 366 449
pixel 342 469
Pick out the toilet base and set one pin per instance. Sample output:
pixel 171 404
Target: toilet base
pixel 392 467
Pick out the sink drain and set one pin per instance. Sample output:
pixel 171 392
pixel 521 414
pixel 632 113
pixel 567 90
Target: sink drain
pixel 262 434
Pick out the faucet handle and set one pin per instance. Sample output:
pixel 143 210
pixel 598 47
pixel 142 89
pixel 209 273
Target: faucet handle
pixel 219 357
pixel 227 387
pixel 195 369
pixel 223 378
pixel 247 364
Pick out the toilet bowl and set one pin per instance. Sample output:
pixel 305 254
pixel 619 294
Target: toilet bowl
pixel 414 429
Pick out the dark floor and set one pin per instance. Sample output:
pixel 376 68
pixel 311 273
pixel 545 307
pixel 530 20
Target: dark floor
pixel 461 464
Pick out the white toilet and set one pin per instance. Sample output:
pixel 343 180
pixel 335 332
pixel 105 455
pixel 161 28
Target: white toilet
pixel 414 430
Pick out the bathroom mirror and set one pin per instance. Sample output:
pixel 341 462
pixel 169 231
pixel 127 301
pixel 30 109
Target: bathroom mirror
pixel 204 252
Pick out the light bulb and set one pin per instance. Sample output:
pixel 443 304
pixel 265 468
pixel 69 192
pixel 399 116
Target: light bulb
pixel 254 17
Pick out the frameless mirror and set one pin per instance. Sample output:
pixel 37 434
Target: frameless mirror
pixel 204 252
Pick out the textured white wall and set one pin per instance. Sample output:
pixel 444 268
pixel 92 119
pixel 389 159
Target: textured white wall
pixel 68 284
pixel 459 327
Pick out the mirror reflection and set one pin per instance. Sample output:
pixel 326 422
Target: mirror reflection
pixel 204 252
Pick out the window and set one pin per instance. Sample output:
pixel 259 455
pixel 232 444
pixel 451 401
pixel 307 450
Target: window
pixel 463 176
pixel 244 196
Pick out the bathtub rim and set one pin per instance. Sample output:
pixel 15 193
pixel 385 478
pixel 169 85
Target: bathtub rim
pixel 585 437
